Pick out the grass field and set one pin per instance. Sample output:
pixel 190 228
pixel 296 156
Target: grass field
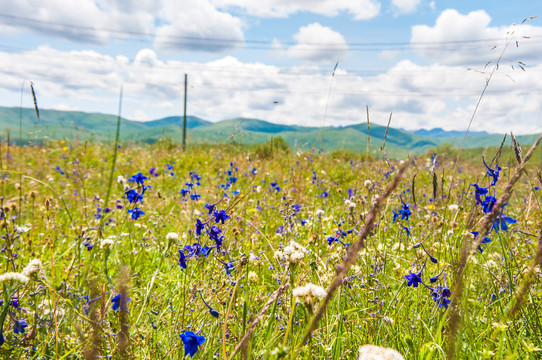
pixel 148 252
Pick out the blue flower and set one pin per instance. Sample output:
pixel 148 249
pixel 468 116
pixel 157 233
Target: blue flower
pixel 229 266
pixel 212 311
pixel 184 192
pixel 221 216
pixel 407 231
pixel 118 304
pixel 414 279
pixel 493 173
pixel 191 342
pixel 488 203
pixel 199 226
pixel 88 245
pixel 133 196
pixel 210 208
pixel 213 235
pixel 19 325
pixel 485 241
pixel 60 170
pixel 195 196
pixel 136 213
pixel 479 192
pixel 182 259
pixel 502 222
pixel 441 296
pixel 405 211
pixel 138 178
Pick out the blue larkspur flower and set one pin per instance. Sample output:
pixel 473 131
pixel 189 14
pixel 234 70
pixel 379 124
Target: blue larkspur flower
pixel 441 296
pixel 212 311
pixel 199 226
pixel 485 241
pixel 133 196
pixel 502 221
pixel 117 303
pixel 405 211
pixel 214 233
pixel 138 178
pixel 206 250
pixel 479 192
pixel 414 279
pixel 221 216
pixel 488 203
pixel 494 173
pixel 191 342
pixel 210 208
pixel 182 259
pixel 136 213
pixel 19 325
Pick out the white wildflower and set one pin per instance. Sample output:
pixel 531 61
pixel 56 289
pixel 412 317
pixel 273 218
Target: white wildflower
pixel 294 252
pixel 387 320
pixel 453 207
pixel 310 293
pixel 172 236
pixel 33 267
pixel 368 183
pixel 252 276
pixel 13 276
pixel 22 229
pixel 372 352
pixel 107 242
pixel 121 180
pixel 349 204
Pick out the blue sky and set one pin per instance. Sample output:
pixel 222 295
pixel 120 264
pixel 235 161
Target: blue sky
pixel 273 59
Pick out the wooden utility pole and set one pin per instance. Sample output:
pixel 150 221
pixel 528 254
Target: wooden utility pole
pixel 184 117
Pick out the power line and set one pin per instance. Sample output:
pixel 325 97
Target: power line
pixel 355 46
pixel 272 72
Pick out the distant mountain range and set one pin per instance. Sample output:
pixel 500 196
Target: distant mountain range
pixel 71 125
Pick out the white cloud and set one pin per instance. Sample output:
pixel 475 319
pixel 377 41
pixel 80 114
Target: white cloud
pixel 176 24
pixel 406 6
pixel 469 39
pixel 139 115
pixel 359 9
pixel 91 21
pixel 190 21
pixel 319 44
pixel 419 95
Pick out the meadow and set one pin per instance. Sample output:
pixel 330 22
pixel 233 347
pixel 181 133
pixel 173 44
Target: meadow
pixel 223 252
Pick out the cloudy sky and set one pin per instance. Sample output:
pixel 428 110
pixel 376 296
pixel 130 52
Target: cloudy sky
pixel 427 61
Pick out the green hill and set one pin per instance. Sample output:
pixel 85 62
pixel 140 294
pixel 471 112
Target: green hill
pixel 72 125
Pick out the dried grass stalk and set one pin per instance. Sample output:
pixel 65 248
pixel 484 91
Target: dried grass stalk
pixel 259 318
pixel 124 336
